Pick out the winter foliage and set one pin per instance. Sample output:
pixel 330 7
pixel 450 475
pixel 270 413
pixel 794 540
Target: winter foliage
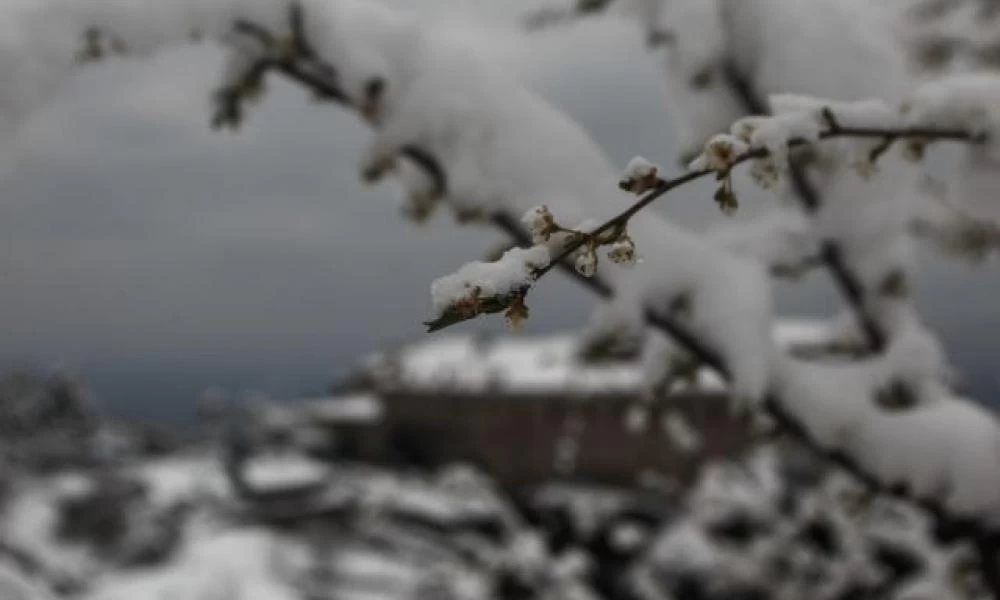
pixel 845 140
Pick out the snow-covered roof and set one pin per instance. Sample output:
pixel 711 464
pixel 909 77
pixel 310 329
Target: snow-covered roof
pixel 352 408
pixel 533 364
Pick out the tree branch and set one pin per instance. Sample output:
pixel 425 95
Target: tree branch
pixel 302 66
pixel 987 543
pixel 830 254
pixel 320 78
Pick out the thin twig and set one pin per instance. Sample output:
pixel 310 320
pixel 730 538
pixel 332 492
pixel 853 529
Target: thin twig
pixel 665 185
pixel 662 187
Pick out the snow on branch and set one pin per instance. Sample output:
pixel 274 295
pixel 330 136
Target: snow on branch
pixel 488 287
pixel 688 285
pixel 869 434
pixel 756 139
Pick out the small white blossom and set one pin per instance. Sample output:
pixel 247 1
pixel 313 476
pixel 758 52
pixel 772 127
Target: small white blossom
pixel 639 177
pixel 722 151
pixel 586 262
pixel 541 223
pixel 622 252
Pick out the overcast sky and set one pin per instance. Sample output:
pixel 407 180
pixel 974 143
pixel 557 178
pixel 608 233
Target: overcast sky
pixel 157 257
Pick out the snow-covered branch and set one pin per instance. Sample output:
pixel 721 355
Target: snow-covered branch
pixel 296 58
pixel 762 140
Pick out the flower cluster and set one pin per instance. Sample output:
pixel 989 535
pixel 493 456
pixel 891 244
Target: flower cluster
pixel 541 223
pixel 640 176
pixel 766 171
pixel 586 261
pixel 622 252
pixel 721 153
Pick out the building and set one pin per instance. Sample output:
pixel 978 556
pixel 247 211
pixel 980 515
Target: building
pixel 526 410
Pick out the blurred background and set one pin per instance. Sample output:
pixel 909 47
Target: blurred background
pixel 216 383
pixel 156 257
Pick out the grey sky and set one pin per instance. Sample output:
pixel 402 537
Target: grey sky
pixel 156 256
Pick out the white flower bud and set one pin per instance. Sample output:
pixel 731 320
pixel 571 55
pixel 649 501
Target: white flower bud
pixel 541 223
pixel 586 262
pixel 722 151
pixel 639 177
pixel 622 252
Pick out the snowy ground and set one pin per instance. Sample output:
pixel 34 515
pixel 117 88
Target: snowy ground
pixel 131 517
pixel 174 528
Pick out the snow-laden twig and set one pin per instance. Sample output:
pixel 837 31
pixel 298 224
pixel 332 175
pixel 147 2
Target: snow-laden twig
pixel 660 187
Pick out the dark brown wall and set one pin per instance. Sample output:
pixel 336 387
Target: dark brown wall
pixel 514 436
